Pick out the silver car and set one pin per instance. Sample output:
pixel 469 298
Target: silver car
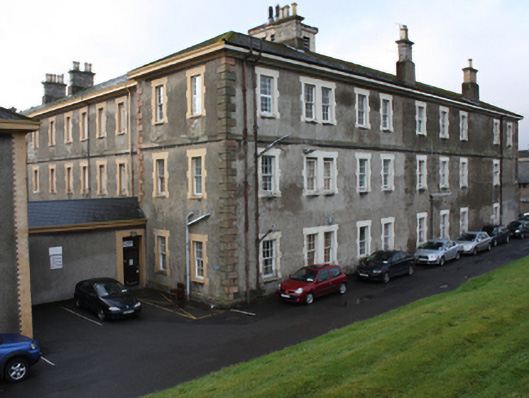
pixel 437 251
pixel 474 242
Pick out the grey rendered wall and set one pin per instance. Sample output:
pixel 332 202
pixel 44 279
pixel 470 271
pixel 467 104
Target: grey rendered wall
pixel 86 255
pixel 9 322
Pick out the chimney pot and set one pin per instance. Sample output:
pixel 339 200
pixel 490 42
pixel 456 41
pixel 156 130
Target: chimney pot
pixel 75 65
pixel 403 32
pixel 405 65
pixel 277 12
pixel 470 87
pixel 87 67
pixel 270 14
pixel 294 9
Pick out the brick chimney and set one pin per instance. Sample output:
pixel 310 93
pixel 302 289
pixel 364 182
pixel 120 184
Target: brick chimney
pixel 286 27
pixel 54 88
pixel 405 65
pixel 470 88
pixel 80 80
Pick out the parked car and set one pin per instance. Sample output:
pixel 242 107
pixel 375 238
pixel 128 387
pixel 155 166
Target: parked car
pixel 519 228
pixel 474 242
pixel 498 233
pixel 307 283
pixel 523 216
pixel 107 298
pixel 17 354
pixel 437 251
pixel 383 265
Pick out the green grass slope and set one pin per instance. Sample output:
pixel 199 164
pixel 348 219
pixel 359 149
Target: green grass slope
pixel 471 342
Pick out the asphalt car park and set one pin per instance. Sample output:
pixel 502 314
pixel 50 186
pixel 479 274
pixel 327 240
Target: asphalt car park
pixel 167 345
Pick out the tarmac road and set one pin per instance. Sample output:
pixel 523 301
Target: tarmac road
pixel 166 346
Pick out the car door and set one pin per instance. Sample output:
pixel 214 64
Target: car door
pixel 336 279
pixel 323 283
pixel 396 264
pixel 451 249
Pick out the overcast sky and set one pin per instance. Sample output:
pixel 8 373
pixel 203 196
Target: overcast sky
pixel 116 36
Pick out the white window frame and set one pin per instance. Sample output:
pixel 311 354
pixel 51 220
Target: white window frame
pixel 68 178
pixel 463 126
pixel 101 121
pixel 367 157
pixel 274 154
pixel 363 224
pixel 463 220
pixel 495 213
pixel 83 124
pixel 388 222
pixel 274 95
pixel 157 192
pixel 161 258
pixel 121 115
pixel 496 132
pixel 319 189
pixel 366 122
pixel 122 177
pixel 463 173
pixel 320 243
pixel 422 233
pixel 52 178
pixel 444 224
pixel 84 177
pixel 196 93
pixel 444 172
pixel 391 172
pixel 35 178
pixel 276 257
pixel 444 122
pixel 509 134
pixel 420 121
pixel 203 240
pixel 192 178
pixel 422 173
pixel 496 171
pixel 52 128
pixel 389 127
pixel 102 173
pixel 159 103
pixel 68 128
pixel 317 108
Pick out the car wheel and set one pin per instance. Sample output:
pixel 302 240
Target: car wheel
pixel 458 256
pixel 309 299
pixel 495 242
pixel 475 251
pixel 16 370
pixel 411 270
pixel 522 236
pixel 489 247
pixel 101 315
pixel 508 239
pixel 78 303
pixel 386 278
pixel 441 261
pixel 343 288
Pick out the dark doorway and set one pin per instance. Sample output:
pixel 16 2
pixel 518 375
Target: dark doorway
pixel 131 261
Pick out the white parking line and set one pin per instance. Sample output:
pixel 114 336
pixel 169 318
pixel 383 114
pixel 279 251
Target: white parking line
pixel 81 316
pixel 47 361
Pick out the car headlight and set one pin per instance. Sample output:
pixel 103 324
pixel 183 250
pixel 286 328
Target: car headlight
pixel 468 247
pixel 517 231
pixel 114 309
pixel 377 271
pixel 299 290
pixel 432 258
pixel 138 304
pixel 33 345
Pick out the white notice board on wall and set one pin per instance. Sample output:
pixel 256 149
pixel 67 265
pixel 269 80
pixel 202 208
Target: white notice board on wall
pixel 55 257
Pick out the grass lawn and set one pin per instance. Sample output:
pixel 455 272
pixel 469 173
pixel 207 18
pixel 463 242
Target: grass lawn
pixel 471 342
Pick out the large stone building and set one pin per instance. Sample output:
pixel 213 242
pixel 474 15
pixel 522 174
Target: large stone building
pixel 252 155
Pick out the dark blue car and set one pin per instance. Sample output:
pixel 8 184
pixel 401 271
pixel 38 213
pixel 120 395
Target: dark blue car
pixel 17 354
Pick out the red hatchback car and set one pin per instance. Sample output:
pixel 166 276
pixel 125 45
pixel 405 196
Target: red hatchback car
pixel 310 282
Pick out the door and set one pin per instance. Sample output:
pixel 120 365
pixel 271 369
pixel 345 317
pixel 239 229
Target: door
pixel 131 263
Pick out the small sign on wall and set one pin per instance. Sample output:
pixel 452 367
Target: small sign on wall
pixel 55 257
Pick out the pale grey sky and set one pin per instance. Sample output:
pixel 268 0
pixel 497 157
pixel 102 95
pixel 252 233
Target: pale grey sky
pixel 39 37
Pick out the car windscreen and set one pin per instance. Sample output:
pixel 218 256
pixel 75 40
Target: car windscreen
pixel 109 288
pixel 467 237
pixel 304 275
pixel 380 256
pixel 431 246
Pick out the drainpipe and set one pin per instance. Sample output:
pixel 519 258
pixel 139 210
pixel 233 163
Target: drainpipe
pixel 129 128
pixel 501 171
pixel 246 212
pixel 188 224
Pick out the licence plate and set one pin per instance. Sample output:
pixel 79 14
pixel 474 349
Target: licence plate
pixel 128 312
pixel 285 295
pixel 363 275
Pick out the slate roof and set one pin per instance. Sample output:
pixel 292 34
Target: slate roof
pixel 59 213
pixel 523 167
pixel 7 114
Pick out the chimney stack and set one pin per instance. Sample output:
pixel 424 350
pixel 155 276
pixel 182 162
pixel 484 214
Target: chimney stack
pixel 54 88
pixel 80 80
pixel 470 88
pixel 405 65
